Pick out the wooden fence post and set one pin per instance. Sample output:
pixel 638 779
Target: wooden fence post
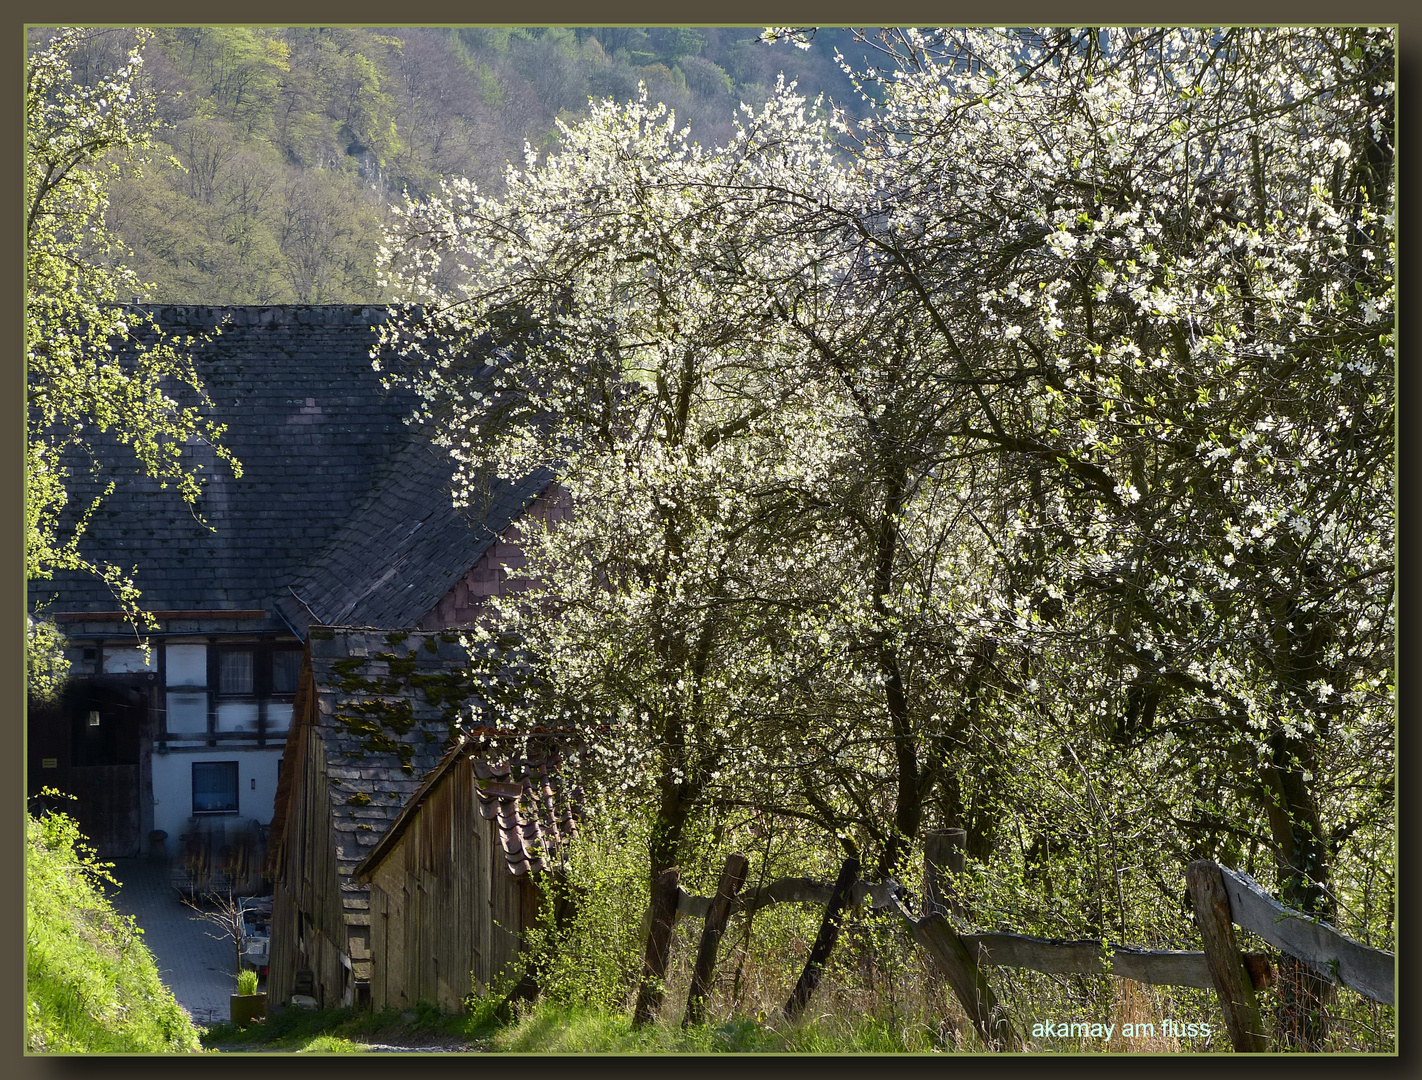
pixel 951 955
pixel 1227 969
pixel 825 939
pixel 732 878
pixel 943 854
pixel 654 961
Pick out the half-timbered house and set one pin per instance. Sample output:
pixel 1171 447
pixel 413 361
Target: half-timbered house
pixel 342 515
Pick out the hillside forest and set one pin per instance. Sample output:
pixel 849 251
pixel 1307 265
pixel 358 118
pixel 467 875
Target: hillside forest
pixel 293 144
pixel 1003 444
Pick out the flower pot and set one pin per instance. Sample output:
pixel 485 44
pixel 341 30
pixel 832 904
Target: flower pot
pixel 248 1007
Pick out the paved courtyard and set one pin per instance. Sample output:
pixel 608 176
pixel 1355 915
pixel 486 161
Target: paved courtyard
pixel 197 967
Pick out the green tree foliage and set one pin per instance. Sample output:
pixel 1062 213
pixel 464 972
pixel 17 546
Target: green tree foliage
pixel 281 136
pixel 76 139
pixel 343 121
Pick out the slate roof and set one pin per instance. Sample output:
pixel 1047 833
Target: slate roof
pixel 339 498
pixel 404 548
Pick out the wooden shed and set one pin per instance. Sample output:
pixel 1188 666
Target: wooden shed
pixel 454 882
pixel 404 860
pixel 375 713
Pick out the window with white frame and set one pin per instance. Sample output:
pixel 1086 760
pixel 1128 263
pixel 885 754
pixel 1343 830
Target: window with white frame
pixel 234 672
pixel 214 787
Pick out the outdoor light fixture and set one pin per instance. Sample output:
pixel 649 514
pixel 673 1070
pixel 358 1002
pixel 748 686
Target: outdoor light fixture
pixel 93 717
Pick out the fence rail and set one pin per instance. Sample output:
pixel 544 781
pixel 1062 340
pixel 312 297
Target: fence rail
pixel 1222 898
pixel 1158 967
pixel 878 895
pixel 1371 972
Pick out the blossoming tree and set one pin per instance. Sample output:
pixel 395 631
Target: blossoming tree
pixel 1167 258
pixel 1034 435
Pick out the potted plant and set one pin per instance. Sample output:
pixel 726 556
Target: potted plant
pixel 247 1004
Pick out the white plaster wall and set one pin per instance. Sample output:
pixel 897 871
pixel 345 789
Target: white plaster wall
pixel 187 665
pixel 173 787
pixel 119 659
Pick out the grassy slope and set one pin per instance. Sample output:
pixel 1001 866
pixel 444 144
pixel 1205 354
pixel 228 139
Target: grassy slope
pixel 91 984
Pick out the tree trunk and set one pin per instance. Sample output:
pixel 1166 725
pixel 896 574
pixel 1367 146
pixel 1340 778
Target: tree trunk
pixel 732 878
pixel 908 804
pixel 1303 873
pixel 663 853
pixel 825 940
pixel 1300 847
pixel 654 960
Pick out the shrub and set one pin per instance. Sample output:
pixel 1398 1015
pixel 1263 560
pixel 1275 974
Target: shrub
pixel 592 957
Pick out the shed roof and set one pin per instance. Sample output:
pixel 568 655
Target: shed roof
pixel 385 709
pixel 534 808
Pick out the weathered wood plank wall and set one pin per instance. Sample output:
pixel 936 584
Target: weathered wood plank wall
pixel 447 913
pixel 309 931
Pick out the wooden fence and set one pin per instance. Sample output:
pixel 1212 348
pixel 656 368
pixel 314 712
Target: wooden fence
pixel 1222 898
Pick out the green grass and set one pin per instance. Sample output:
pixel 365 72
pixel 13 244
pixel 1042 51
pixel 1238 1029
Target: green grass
pixel 550 1028
pixel 326 1031
pixel 91 985
pixel 555 1029
pixel 331 1044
